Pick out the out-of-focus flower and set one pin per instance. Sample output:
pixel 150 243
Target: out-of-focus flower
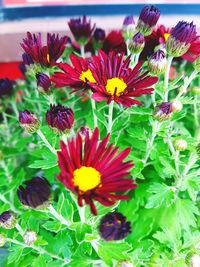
pixel 28 121
pixel 6 88
pixel 35 193
pixel 195 260
pixel 180 144
pixel 43 83
pixel 128 27
pixel 115 81
pixel 8 220
pixel 148 18
pixel 157 62
pixel 84 131
pixel 2 240
pixel 48 54
pixel 30 237
pixel 180 39
pixel 197 64
pixel 136 44
pixel 114 41
pixel 176 105
pixel 194 50
pixel 113 226
pixel 93 171
pixel 98 38
pixel 81 29
pixel 60 119
pixel 163 111
pixel 76 76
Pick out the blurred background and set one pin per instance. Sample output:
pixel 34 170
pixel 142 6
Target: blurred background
pixel 19 16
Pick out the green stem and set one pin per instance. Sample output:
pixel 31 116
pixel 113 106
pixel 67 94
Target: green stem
pixel 45 141
pixel 12 207
pixel 14 107
pixel 82 49
pixel 110 117
pixel 166 81
pixel 93 104
pixel 196 116
pixel 81 210
pixel 58 216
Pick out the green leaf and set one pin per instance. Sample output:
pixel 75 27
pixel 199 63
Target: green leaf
pixel 44 164
pixel 15 255
pixel 39 262
pixel 53 226
pixel 65 208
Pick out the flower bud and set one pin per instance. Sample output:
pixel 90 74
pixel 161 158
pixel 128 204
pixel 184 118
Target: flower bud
pixel 196 90
pixel 30 237
pixel 180 38
pixel 128 27
pixel 147 20
pixel 137 43
pixel 60 119
pixel 28 121
pixel 35 193
pixel 98 38
pixel 195 261
pixel 197 64
pixel 180 144
pixel 84 131
pixel 125 264
pixel 176 106
pixel 163 111
pixel 113 226
pixel 2 240
pixel 157 62
pixel 6 88
pixel 43 83
pixel 7 220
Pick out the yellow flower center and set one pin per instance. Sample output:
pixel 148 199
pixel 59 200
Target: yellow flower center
pixel 86 178
pixel 48 58
pixel 86 76
pixel 166 36
pixel 115 86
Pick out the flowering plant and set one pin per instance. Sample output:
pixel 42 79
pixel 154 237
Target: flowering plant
pixel 99 154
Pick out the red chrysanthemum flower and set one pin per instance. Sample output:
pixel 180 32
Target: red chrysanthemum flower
pixel 93 171
pixel 76 76
pixel 114 41
pixel 116 81
pixel 48 54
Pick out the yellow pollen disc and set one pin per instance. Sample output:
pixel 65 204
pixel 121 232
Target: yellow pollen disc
pixel 166 36
pixel 86 178
pixel 48 58
pixel 115 86
pixel 86 76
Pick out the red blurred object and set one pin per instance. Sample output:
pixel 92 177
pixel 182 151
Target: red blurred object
pixel 11 71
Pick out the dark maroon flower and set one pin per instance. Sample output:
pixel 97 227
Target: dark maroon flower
pixel 43 83
pixel 148 19
pixel 113 226
pixel 163 111
pixel 28 121
pixel 180 39
pixel 6 87
pixel 136 44
pixel 35 192
pixel 7 219
pixel 48 54
pixel 81 29
pixel 157 62
pixel 114 41
pixel 60 119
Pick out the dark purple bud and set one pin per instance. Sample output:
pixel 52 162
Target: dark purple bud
pixel 7 220
pixel 6 87
pixel 113 226
pixel 28 121
pixel 99 35
pixel 43 83
pixel 181 38
pixel 34 193
pixel 128 20
pixel 128 27
pixel 137 43
pixel 157 62
pixel 148 19
pixel 163 111
pixel 60 119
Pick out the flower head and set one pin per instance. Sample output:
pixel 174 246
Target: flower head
pixel 93 171
pixel 60 119
pixel 180 144
pixel 99 35
pixel 28 121
pixel 114 41
pixel 157 62
pixel 30 237
pixel 35 193
pixel 180 39
pixel 148 18
pixel 116 81
pixel 163 111
pixel 43 83
pixel 113 226
pixel 128 27
pixel 48 54
pixel 6 87
pixel 136 44
pixel 81 29
pixel 7 220
pixel 76 76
